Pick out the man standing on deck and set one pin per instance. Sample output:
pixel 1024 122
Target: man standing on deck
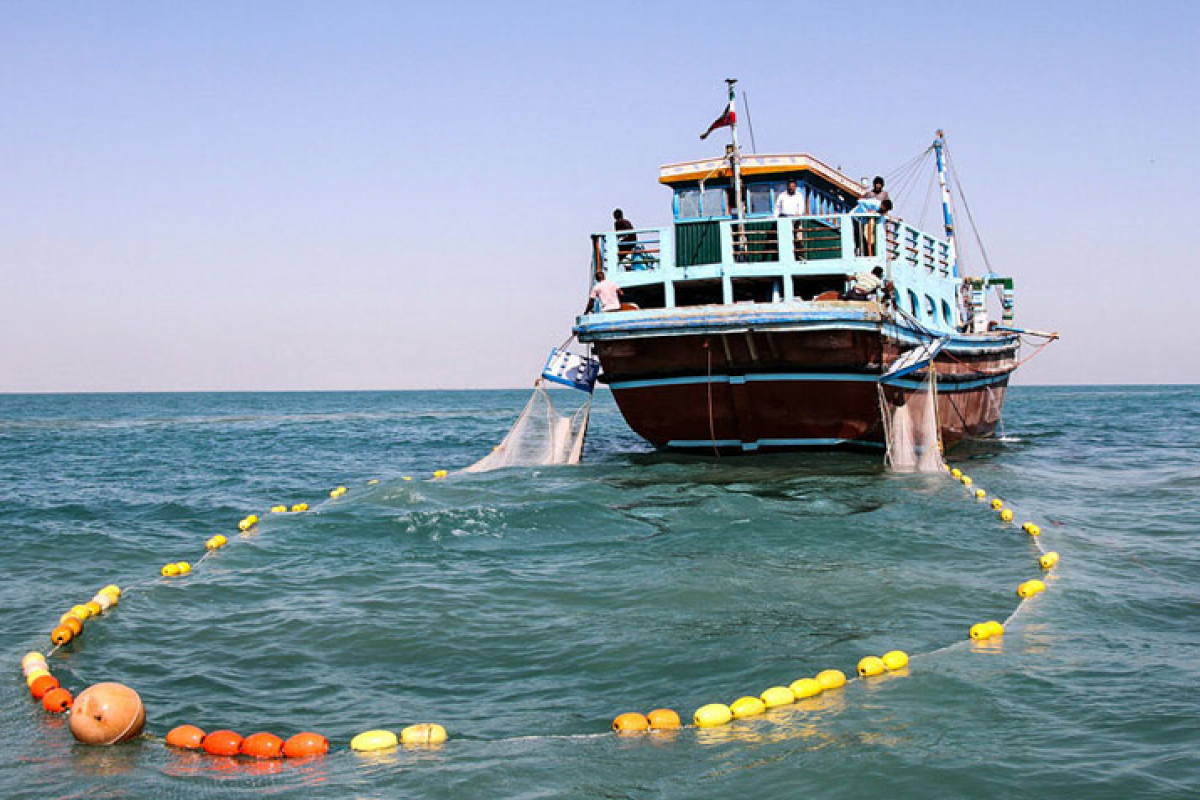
pixel 791 204
pixel 626 242
pixel 874 202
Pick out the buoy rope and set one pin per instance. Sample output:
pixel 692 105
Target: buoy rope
pixel 746 707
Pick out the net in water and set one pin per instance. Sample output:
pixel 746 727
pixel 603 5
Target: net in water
pixel 911 425
pixel 540 436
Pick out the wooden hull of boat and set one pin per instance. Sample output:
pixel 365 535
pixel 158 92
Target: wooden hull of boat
pixel 789 388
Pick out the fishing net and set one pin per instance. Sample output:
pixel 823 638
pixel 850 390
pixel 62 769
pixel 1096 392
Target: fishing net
pixel 540 436
pixel 911 426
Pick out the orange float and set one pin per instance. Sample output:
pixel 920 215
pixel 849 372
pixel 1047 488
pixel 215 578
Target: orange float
pixel 306 744
pixel 223 743
pixel 72 622
pixel 61 635
pixel 95 608
pixel 41 685
pixel 189 737
pixel 57 701
pixel 663 719
pixel 107 713
pixel 262 745
pixel 631 722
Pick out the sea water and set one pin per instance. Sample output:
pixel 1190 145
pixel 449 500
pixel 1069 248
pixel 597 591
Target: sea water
pixel 524 609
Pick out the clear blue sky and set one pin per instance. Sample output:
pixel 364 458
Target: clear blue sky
pixel 351 195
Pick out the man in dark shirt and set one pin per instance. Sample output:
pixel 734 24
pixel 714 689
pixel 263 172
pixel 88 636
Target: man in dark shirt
pixel 626 241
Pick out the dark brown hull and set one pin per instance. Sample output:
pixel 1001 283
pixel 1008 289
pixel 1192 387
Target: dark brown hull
pixel 792 387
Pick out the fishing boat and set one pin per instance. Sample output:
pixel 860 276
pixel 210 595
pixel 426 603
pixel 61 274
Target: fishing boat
pixel 737 333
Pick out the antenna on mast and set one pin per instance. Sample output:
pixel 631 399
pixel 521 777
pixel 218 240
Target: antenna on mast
pixel 749 123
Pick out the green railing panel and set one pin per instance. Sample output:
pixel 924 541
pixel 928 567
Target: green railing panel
pixel 697 243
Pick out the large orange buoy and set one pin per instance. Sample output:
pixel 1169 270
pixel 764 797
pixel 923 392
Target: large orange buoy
pixel 188 737
pixel 262 745
pixel 306 744
pixel 107 713
pixel 223 743
pixel 57 701
pixel 41 685
pixel 630 722
pixel 61 635
pixel 663 719
pixel 72 622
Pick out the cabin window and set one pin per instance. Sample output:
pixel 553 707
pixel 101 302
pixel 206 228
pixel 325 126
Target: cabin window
pixel 760 199
pixel 913 303
pixel 713 202
pixel 930 308
pixel 947 315
pixel 687 203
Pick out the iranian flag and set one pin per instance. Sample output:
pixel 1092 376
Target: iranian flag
pixel 728 117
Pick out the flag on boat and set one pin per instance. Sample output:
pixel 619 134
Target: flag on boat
pixel 728 117
pixel 569 369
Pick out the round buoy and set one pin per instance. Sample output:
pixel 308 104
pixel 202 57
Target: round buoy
pixel 870 666
pixel 223 743
pixel 61 635
pixel 170 570
pixel 966 480
pixel 895 660
pixel 1006 515
pixel 57 701
pixel 300 507
pixel 1030 588
pixel 712 715
pixel 747 707
pixel 93 608
pixel 980 494
pixel 35 673
pixel 80 611
pixel 31 657
pixel 629 722
pixel 112 589
pixel 278 509
pixel 956 472
pixel 993 628
pixel 189 737
pixel 262 745
pixel 306 744
pixel 427 733
pixel 997 503
pixel 831 679
pixel 183 567
pixel 42 684
pixel 1048 560
pixel 806 687
pixel 74 623
pixel 107 713
pixel 979 631
pixel 778 696
pixel 663 719
pixel 104 601
pixel 373 740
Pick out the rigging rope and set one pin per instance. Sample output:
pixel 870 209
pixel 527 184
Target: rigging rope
pixel 970 217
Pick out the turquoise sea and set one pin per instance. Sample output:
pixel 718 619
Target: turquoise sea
pixel 524 609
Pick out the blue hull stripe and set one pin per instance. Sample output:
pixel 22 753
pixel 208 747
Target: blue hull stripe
pixel 771 443
pixel 816 377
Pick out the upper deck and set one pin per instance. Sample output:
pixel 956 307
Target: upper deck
pixel 710 257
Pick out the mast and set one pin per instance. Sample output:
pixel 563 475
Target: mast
pixel 947 213
pixel 735 155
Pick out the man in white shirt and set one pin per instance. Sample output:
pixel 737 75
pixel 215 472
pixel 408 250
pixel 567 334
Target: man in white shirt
pixel 865 284
pixel 791 204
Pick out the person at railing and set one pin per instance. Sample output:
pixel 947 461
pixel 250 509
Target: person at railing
pixel 607 292
pixel 873 203
pixel 865 285
pixel 791 204
pixel 626 242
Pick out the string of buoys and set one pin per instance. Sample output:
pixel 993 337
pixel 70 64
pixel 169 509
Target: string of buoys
pixel 868 667
pixel 116 713
pixel 111 713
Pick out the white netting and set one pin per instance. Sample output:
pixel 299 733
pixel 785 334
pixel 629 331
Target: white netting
pixel 910 423
pixel 540 436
